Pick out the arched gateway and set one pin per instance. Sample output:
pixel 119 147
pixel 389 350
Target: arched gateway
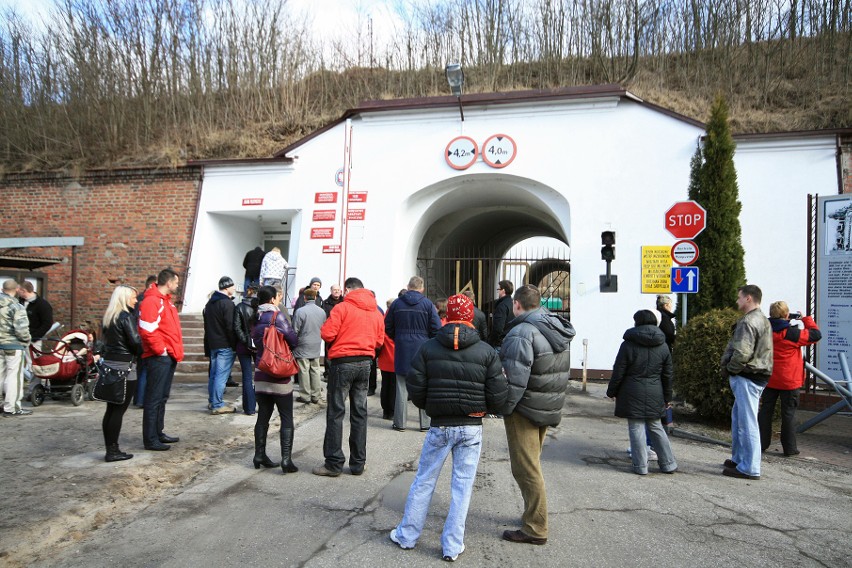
pixel 470 224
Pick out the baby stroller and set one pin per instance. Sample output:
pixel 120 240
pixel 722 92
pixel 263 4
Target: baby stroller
pixel 68 368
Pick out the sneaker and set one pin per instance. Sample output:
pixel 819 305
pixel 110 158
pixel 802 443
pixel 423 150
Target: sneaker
pixel 448 558
pixel 652 455
pixel 395 540
pixel 21 412
pixel 223 410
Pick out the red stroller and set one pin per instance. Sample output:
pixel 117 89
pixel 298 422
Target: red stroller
pixel 68 368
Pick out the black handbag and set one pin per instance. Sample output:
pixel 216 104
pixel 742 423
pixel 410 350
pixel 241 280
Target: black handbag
pixel 112 384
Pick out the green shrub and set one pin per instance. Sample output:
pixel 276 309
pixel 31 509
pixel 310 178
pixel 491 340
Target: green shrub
pixel 697 353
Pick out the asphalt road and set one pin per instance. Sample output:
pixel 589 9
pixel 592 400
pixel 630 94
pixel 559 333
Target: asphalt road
pixel 601 514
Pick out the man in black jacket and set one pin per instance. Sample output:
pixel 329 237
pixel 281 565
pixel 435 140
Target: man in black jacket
pixel 502 313
pixel 39 312
pixel 220 342
pixel 252 262
pixel 457 379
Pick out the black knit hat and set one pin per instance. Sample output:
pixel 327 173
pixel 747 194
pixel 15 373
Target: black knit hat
pixel 225 282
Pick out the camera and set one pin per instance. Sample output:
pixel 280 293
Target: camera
pixel 795 316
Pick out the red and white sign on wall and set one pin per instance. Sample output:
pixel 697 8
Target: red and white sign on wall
pixel 322 233
pixel 356 214
pixel 357 197
pixel 331 249
pixel 325 197
pixel 249 201
pixel 324 214
pixel 499 151
pixel 686 219
pixel 461 152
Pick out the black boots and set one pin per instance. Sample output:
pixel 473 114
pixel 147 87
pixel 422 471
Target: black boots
pixel 114 454
pixel 287 465
pixel 260 457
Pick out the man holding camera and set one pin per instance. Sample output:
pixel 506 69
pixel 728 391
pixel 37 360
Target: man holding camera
pixel 790 332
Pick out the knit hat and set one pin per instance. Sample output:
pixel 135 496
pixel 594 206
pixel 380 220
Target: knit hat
pixel 225 282
pixel 314 279
pixel 459 308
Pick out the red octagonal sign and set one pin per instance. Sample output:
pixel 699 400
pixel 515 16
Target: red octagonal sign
pixel 685 219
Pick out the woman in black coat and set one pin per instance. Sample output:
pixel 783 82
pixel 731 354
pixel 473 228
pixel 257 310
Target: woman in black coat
pixel 122 347
pixel 641 385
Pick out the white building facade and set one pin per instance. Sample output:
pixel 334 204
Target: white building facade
pixel 374 192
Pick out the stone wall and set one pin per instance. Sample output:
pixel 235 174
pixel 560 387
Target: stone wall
pixel 135 222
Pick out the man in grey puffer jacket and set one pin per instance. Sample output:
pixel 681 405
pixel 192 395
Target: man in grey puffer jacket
pixel 537 363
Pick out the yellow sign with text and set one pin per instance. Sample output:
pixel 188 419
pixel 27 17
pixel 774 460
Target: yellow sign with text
pixel 656 270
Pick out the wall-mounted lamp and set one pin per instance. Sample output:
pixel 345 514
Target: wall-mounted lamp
pixel 455 78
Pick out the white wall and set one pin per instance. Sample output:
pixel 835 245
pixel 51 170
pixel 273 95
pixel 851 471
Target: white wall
pixel 606 164
pixel 775 178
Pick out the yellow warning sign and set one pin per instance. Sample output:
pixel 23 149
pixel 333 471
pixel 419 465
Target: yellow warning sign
pixel 656 270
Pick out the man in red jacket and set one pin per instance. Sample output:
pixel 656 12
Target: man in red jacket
pixel 788 374
pixel 355 329
pixel 162 349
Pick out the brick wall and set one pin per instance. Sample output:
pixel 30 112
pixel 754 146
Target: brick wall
pixel 135 222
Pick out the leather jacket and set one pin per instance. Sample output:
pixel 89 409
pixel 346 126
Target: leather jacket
pixel 243 314
pixel 121 339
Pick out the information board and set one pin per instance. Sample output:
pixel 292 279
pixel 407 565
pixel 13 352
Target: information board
pixel 656 269
pixel 834 282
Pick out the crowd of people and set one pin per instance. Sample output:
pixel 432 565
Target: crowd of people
pixel 442 357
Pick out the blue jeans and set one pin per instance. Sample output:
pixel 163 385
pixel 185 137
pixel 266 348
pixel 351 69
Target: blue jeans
pixel 161 372
pixel 221 362
pixel 638 428
pixel 346 380
pixel 247 370
pixel 465 443
pixel 745 433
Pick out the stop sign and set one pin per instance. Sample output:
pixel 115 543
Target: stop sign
pixel 685 219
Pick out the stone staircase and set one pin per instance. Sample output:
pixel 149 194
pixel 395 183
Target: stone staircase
pixel 193 368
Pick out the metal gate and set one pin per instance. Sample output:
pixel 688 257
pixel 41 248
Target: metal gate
pixel 546 268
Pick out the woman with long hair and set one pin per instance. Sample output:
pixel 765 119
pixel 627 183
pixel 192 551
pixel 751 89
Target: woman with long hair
pixel 272 392
pixel 122 347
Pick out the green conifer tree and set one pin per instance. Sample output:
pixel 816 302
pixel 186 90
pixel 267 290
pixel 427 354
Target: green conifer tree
pixel 713 184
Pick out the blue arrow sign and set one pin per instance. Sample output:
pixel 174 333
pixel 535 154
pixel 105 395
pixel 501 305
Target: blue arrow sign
pixel 685 280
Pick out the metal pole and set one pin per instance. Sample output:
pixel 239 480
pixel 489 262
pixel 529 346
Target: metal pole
pixel 73 287
pixel 585 363
pixel 683 299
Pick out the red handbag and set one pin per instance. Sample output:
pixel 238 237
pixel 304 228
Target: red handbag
pixel 277 359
